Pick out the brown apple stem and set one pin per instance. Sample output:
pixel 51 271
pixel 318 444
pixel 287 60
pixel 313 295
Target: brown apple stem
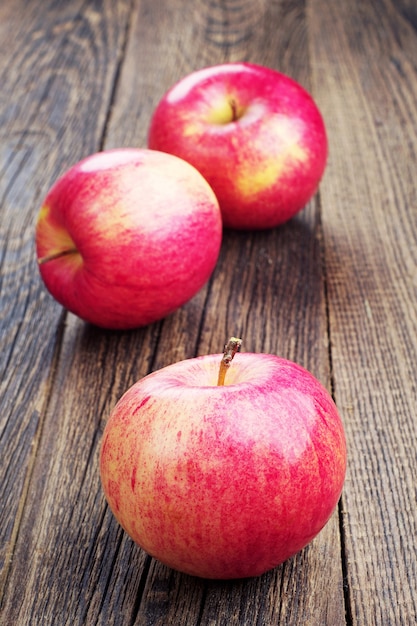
pixel 230 349
pixel 56 255
pixel 234 110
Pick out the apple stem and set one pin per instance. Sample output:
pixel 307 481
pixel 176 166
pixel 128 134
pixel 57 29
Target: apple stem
pixel 56 255
pixel 233 105
pixel 230 349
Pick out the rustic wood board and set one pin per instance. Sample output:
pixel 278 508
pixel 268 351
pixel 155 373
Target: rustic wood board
pixel 46 122
pixel 366 84
pixel 334 289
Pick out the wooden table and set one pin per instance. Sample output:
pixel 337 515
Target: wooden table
pixel 334 289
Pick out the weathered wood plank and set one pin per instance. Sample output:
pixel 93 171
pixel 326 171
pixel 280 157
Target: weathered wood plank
pixel 169 40
pixel 222 32
pixel 45 124
pixel 269 287
pixel 366 82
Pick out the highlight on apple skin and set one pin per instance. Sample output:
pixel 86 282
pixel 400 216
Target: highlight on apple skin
pixel 127 236
pixel 256 135
pixel 224 481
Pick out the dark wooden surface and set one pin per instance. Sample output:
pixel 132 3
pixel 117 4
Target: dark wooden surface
pixel 335 289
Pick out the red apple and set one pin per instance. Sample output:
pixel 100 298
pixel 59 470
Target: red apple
pixel 224 481
pixel 255 134
pixel 127 236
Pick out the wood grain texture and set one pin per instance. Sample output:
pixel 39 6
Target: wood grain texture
pixel 335 289
pixel 368 93
pixel 45 124
pixel 65 530
pixel 169 40
pixel 112 581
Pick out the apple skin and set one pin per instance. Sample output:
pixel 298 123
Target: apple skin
pixel 127 236
pixel 224 481
pixel 255 134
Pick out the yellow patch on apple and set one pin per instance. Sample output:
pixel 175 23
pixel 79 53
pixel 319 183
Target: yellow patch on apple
pixel 251 180
pixel 192 128
pixel 55 239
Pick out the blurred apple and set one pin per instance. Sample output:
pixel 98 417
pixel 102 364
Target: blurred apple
pixel 127 236
pixel 255 134
pixel 224 480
